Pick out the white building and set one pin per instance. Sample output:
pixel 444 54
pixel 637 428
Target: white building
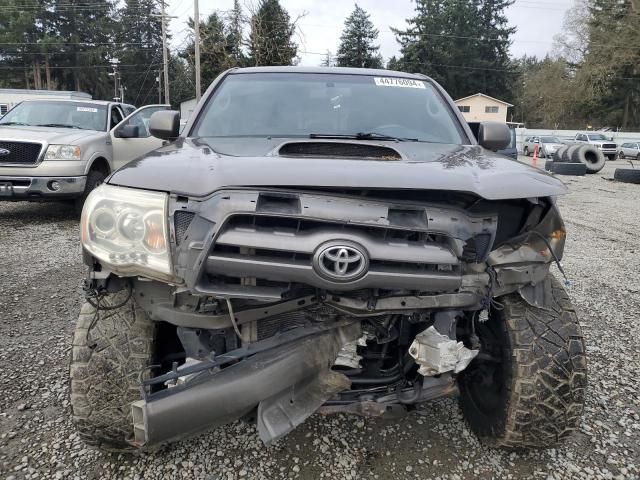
pixel 482 108
pixel 9 97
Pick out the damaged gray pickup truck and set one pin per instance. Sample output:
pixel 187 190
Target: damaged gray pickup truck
pixel 324 240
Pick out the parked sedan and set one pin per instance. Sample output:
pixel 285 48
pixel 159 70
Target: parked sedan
pixel 630 150
pixel 547 145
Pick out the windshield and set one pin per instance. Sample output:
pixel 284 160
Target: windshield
pixel 78 115
pixel 598 136
pixel 550 139
pixel 303 104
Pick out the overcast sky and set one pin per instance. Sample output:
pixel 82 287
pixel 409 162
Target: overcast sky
pixel 537 22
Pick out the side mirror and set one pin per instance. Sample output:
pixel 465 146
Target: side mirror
pixel 128 131
pixel 494 136
pixel 165 124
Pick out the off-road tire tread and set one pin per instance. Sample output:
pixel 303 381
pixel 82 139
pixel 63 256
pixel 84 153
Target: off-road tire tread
pixel 591 167
pixel 557 156
pixel 547 377
pixel 105 379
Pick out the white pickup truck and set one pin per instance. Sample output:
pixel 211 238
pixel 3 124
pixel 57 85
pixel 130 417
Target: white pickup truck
pixel 608 147
pixel 64 148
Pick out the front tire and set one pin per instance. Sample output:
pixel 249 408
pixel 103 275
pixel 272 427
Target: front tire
pixel 530 393
pixel 94 179
pixel 107 358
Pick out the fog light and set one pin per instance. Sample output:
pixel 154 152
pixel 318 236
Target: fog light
pixel 54 185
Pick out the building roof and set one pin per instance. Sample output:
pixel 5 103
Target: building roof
pixel 22 91
pixel 485 96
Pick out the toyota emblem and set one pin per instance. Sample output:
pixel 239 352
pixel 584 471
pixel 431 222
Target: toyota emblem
pixel 341 262
pixel 4 152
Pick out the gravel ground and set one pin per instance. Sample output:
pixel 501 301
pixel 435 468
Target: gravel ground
pixel 40 275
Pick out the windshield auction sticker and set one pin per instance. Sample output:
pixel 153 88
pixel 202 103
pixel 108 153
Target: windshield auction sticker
pixel 87 109
pixel 398 82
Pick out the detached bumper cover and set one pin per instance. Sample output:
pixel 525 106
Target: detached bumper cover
pixel 213 399
pixel 40 187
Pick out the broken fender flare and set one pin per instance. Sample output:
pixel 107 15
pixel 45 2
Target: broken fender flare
pixel 539 295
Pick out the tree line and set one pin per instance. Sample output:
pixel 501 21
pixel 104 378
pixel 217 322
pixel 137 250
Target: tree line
pixel 589 79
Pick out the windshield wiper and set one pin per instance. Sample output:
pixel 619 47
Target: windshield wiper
pixel 15 123
pixel 363 136
pixel 59 125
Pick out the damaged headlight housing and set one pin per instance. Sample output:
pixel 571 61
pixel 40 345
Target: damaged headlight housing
pixel 127 230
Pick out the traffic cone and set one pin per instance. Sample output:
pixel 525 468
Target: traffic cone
pixel 534 160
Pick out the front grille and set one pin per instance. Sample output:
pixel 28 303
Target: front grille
pixel 609 146
pixel 339 149
pixel 181 222
pixel 281 249
pixel 20 153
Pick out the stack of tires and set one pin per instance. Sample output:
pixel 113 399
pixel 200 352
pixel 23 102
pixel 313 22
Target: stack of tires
pixel 576 160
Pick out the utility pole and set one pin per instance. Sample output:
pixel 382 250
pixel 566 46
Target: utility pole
pixel 158 79
pixel 165 57
pixel 115 75
pixel 196 19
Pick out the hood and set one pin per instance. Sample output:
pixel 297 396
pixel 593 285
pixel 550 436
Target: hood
pixel 44 134
pixel 197 168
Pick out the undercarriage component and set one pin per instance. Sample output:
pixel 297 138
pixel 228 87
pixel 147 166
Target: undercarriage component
pixel 281 413
pixel 215 398
pixel 391 404
pixel 348 355
pixel 437 353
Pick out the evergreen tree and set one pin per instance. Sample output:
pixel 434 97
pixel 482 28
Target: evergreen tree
pixel 140 35
pixel 87 32
pixel 609 76
pixel 327 60
pixel 234 35
pixel 462 45
pixel 357 47
pixel 271 37
pixel 394 64
pixel 495 75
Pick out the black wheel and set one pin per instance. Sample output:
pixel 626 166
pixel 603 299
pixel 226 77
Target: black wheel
pixel 526 151
pixel 575 169
pixel 591 156
pixel 94 179
pixel 107 358
pixel 638 157
pixel 527 388
pixel 627 175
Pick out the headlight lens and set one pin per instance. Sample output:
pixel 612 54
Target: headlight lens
pixel 127 230
pixel 63 152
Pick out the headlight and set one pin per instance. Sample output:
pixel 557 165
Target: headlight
pixel 62 152
pixel 126 229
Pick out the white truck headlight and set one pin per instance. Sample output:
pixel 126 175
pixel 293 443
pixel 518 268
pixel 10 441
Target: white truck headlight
pixel 126 229
pixel 63 152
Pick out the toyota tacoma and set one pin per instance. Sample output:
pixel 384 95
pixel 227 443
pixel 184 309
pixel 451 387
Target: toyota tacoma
pixel 324 240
